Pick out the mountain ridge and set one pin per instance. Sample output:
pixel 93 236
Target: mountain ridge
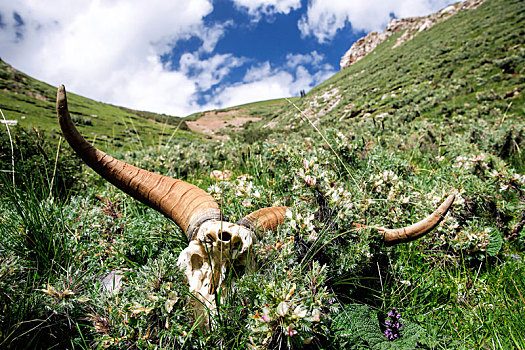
pixel 409 26
pixel 469 65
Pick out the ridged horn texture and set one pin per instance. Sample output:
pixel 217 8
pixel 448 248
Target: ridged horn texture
pixel 266 219
pixel 412 232
pixel 184 203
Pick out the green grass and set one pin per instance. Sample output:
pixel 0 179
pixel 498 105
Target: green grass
pixel 451 292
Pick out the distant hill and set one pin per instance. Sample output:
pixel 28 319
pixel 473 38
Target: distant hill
pixel 31 103
pixel 408 27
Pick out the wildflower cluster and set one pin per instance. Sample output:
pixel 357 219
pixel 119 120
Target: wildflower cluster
pixel 472 239
pixel 230 190
pixel 386 183
pixel 221 175
pixel 303 223
pixel 340 198
pixel 311 173
pixel 472 162
pixel 155 291
pixel 345 147
pixel 508 179
pixel 291 310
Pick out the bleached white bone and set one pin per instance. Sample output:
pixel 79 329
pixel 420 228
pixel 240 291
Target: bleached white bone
pixel 217 246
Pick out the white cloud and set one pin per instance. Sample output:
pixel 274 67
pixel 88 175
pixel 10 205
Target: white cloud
pixel 262 82
pixel 109 50
pixel 258 72
pixel 257 8
pixel 208 72
pixel 325 17
pixel 314 58
pixel 152 88
pixel 210 36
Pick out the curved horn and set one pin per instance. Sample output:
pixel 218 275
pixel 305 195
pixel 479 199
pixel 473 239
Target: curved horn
pixel 412 232
pixel 184 203
pixel 266 219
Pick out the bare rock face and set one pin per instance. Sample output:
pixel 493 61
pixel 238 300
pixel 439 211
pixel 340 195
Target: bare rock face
pixel 362 47
pixel 409 26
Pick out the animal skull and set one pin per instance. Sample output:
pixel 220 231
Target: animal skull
pixel 217 246
pixel 214 245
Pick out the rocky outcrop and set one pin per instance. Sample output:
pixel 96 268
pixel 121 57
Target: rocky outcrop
pixel 409 26
pixel 362 47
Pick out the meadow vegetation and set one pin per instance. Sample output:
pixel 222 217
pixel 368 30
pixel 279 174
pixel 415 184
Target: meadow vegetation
pixel 412 125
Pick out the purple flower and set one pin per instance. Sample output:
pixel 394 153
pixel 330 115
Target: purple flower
pixel 394 314
pixel 393 330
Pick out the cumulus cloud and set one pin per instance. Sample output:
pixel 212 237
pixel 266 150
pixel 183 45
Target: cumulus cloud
pixel 257 8
pixel 314 58
pixel 211 35
pixel 325 17
pixel 109 50
pixel 208 72
pixel 264 82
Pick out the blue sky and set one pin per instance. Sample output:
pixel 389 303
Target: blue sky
pixel 180 56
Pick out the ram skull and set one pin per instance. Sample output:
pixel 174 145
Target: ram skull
pixel 214 244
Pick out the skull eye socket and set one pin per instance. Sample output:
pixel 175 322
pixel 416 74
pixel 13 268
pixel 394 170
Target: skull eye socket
pixel 225 236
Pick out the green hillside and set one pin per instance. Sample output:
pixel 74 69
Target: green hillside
pixel 32 104
pixel 468 66
pixel 379 145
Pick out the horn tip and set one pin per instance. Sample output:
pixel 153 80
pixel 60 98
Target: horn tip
pixel 61 90
pixel 448 202
pixel 61 98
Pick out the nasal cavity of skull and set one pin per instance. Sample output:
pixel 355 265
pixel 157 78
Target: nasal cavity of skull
pixel 236 243
pixel 210 238
pixel 196 261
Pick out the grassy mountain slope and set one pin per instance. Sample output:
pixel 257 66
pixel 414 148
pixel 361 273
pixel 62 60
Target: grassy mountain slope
pixel 32 104
pixel 469 65
pixel 222 123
